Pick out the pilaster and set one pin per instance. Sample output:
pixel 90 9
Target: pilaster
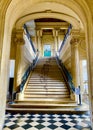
pixel 75 61
pixel 39 44
pixel 55 35
pixel 19 42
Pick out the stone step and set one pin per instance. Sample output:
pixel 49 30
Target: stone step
pixel 50 72
pixel 44 65
pixel 64 110
pixel 46 100
pixel 48 80
pixel 41 105
pixel 44 89
pixel 51 76
pixel 48 83
pixel 44 81
pixel 41 72
pixel 50 69
pixel 58 79
pixel 45 92
pixel 46 77
pixel 47 96
pixel 46 86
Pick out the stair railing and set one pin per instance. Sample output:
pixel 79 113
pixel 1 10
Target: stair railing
pixel 67 75
pixel 25 77
pixel 26 74
pixel 65 37
pixel 29 38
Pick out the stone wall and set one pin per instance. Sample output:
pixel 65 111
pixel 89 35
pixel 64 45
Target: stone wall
pixel 65 54
pixel 23 59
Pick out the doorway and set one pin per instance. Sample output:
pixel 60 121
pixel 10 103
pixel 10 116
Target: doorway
pixel 47 50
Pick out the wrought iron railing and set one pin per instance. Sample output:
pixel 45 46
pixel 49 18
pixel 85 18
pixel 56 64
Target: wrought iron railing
pixel 65 37
pixel 26 74
pixel 24 78
pixel 67 75
pixel 29 38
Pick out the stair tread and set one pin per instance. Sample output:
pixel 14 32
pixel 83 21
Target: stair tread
pixel 75 109
pixel 47 92
pixel 51 99
pixel 44 90
pixel 48 84
pixel 45 87
pixel 40 104
pixel 44 81
pixel 46 96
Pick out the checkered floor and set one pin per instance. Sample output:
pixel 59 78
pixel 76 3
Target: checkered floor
pixel 47 122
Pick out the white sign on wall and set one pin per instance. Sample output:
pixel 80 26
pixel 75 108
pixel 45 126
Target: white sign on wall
pixel 12 68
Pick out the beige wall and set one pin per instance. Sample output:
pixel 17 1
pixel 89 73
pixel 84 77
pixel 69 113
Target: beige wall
pixel 65 54
pixel 24 58
pixel 78 9
pixel 13 49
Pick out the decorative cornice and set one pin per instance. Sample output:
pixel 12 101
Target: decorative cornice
pixel 78 33
pixel 77 36
pixel 52 25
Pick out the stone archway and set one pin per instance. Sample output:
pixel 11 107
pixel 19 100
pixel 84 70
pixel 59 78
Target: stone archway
pixel 15 11
pixel 56 15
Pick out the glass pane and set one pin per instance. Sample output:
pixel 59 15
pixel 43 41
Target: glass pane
pixel 47 50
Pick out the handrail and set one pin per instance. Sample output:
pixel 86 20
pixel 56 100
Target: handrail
pixel 65 37
pixel 26 74
pixel 67 75
pixel 28 36
pixel 25 77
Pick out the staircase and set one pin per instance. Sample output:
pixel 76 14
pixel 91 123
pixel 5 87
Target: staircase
pixel 46 90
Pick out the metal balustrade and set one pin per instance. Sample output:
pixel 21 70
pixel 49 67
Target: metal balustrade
pixel 65 37
pixel 67 75
pixel 29 38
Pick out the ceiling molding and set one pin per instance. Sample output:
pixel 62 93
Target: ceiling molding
pixel 75 23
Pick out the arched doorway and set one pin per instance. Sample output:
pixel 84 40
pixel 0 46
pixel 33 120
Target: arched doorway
pixel 75 9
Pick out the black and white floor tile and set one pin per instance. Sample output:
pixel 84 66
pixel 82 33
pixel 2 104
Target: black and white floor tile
pixel 47 122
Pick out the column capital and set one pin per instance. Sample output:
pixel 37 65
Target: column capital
pixel 39 33
pixel 55 32
pixel 75 41
pixel 77 36
pixel 18 37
